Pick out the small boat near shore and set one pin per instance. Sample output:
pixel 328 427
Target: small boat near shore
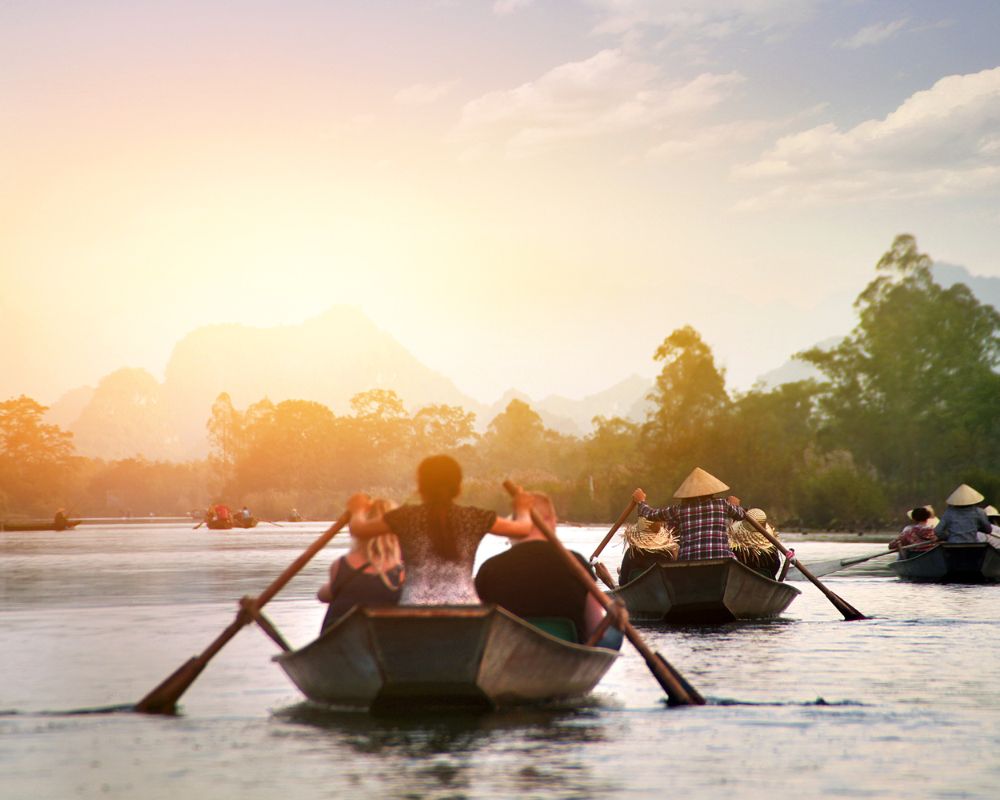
pixel 219 524
pixel 712 591
pixel 39 525
pixel 473 657
pixel 951 563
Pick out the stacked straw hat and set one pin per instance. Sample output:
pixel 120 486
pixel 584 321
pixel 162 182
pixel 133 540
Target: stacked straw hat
pixel 649 536
pixel 743 536
pixel 699 484
pixel 991 511
pixel 964 495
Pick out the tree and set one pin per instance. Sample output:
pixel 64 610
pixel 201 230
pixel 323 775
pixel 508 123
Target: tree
pixel 913 389
pixel 36 459
pixel 516 438
pixel 442 429
pixel 225 436
pixel 689 397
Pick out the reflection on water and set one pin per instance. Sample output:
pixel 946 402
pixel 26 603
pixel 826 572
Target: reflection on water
pixel 807 705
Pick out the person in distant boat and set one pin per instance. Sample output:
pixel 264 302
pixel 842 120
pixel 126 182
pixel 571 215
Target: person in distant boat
pixel 370 574
pixel 222 512
pixel 60 522
pixel 439 538
pixel 245 514
pixel 532 580
pixel 294 516
pixel 646 543
pixel 993 537
pixel 752 548
pixel 963 517
pixel 700 520
pixel 920 530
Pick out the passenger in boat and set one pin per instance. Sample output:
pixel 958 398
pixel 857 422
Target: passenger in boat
pixel 700 520
pixel 245 514
pixel 993 537
pixel 222 512
pixel 60 522
pixel 532 580
pixel 920 530
pixel 438 538
pixel 963 517
pixel 646 543
pixel 370 574
pixel 750 547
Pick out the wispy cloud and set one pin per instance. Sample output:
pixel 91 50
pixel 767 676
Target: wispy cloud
pixel 607 94
pixel 504 7
pixel 422 94
pixel 873 34
pixel 940 142
pixel 712 19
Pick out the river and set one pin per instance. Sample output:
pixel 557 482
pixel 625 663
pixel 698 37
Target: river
pixel 905 704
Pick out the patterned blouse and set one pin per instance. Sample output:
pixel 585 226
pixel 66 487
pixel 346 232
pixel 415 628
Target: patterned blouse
pixel 431 579
pixel 912 534
pixel 702 526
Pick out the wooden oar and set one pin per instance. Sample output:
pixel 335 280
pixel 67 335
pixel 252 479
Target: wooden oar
pixel 679 692
pixel 614 528
pixel 822 568
pixel 163 699
pixel 198 525
pixel 272 522
pixel 845 608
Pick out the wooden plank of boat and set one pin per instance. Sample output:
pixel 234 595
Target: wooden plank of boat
pixel 431 656
pixel 951 563
pixel 704 592
pixel 219 524
pixel 38 525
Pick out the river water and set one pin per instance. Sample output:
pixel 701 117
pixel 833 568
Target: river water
pixel 906 704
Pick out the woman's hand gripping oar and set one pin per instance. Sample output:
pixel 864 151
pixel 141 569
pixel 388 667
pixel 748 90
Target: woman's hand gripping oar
pixel 599 569
pixel 163 699
pixel 679 691
pixel 845 608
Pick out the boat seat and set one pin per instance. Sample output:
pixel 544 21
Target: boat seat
pixel 561 627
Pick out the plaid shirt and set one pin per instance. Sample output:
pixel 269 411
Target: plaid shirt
pixel 702 526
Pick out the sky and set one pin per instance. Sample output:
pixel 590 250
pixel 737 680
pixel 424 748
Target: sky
pixel 525 193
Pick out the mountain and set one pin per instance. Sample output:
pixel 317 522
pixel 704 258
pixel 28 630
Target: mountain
pixel 986 289
pixel 327 359
pixel 127 416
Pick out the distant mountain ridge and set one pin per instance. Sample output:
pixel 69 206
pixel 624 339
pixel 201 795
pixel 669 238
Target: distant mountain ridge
pixel 329 359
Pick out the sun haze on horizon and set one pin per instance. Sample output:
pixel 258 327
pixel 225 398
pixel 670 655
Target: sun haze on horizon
pixel 522 194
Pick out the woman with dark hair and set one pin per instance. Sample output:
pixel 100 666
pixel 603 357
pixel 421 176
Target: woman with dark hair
pixel 438 538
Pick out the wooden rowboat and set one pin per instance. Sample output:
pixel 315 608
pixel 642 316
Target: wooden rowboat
pixel 699 592
pixel 478 657
pixel 38 525
pixel 219 524
pixel 951 563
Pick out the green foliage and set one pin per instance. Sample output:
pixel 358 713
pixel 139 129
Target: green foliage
pixel 36 459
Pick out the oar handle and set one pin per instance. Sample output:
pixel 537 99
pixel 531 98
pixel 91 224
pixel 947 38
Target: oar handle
pixel 614 529
pixel 676 692
pixel 845 608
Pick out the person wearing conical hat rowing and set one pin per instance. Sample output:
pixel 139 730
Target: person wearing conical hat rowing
pixel 993 537
pixel 700 520
pixel 963 517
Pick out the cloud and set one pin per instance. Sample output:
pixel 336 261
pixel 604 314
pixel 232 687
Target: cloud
pixel 504 7
pixel 940 142
pixel 607 94
pixel 422 94
pixel 714 19
pixel 873 34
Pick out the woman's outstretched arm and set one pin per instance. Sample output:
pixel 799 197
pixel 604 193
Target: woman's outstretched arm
pixel 521 525
pixel 361 527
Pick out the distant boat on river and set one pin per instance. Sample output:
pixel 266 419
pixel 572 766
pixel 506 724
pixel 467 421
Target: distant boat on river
pixel 39 525
pixel 951 563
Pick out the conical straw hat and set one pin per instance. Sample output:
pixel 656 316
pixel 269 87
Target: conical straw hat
pixel 964 495
pixel 991 511
pixel 699 484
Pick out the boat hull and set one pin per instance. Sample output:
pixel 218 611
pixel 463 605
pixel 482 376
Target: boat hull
pixel 405 657
pixel 951 563
pixel 712 591
pixel 38 526
pixel 219 525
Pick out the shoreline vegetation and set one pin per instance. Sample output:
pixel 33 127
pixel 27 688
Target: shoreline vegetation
pixel 906 409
